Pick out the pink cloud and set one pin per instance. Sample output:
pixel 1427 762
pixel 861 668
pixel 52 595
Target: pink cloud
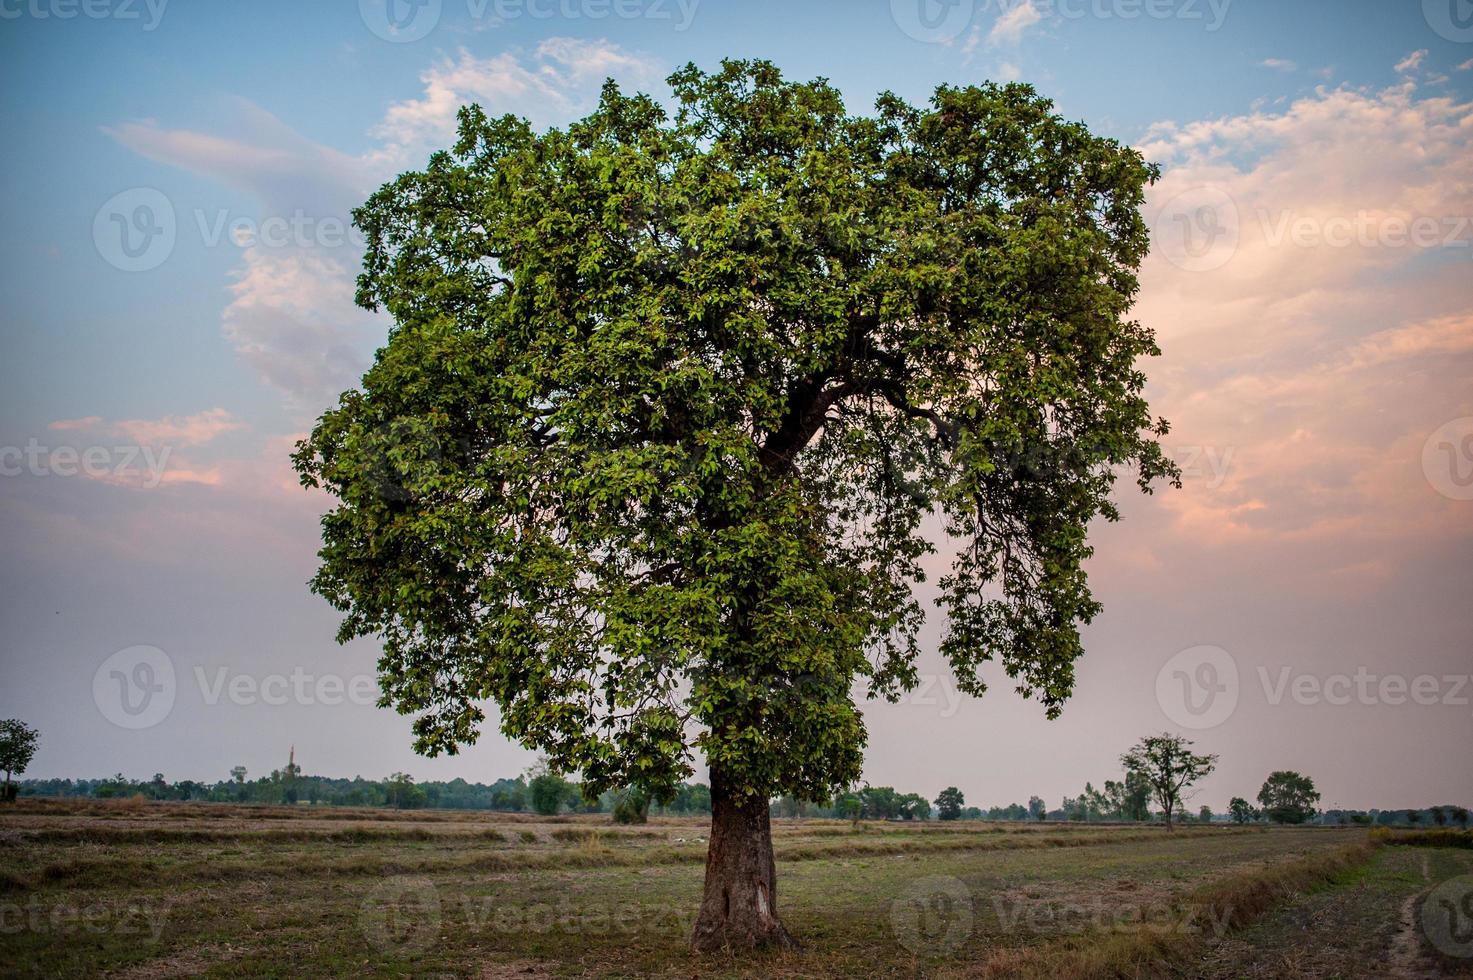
pixel 1322 343
pixel 171 430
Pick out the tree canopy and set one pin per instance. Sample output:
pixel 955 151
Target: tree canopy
pixel 949 803
pixel 1288 797
pixel 670 396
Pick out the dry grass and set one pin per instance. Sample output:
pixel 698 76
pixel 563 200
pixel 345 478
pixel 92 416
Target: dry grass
pixel 1208 913
pixel 245 891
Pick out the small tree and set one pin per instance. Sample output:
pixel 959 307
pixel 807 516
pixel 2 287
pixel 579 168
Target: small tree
pixel 1169 765
pixel 17 746
pixel 1288 797
pixel 1205 814
pixel 1037 809
pixel 1439 816
pixel 402 793
pixel 547 791
pixel 631 805
pixel 238 774
pixel 1240 809
pixel 949 804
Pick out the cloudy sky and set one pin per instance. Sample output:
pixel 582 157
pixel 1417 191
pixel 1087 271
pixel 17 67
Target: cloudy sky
pixel 175 310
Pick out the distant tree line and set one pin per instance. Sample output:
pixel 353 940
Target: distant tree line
pixel 540 792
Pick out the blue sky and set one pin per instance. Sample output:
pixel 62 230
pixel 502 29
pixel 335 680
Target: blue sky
pixel 1308 380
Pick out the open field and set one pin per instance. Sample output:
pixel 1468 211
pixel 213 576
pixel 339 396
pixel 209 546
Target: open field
pixel 156 890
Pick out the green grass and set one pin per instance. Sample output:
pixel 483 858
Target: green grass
pixel 182 890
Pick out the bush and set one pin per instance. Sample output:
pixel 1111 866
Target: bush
pixel 1424 838
pixel 631 806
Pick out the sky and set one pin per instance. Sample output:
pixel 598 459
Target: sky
pixel 176 268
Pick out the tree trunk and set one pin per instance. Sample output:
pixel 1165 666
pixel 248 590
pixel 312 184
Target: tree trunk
pixel 739 909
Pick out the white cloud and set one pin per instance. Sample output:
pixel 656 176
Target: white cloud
pixel 561 76
pixel 291 314
pixel 259 154
pixel 292 318
pixel 1279 64
pixel 970 45
pixel 1412 61
pixel 1327 344
pixel 1013 23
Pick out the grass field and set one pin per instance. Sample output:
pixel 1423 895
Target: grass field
pixel 136 889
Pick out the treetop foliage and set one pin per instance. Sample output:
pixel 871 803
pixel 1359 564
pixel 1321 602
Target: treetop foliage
pixel 668 396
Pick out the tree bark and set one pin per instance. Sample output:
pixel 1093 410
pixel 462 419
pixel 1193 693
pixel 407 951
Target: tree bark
pixel 739 908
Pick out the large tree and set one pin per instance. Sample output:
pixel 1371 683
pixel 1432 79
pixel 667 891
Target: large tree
pixel 649 457
pixel 1288 797
pixel 1168 763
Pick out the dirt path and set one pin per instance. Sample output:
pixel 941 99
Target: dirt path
pixel 1405 960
